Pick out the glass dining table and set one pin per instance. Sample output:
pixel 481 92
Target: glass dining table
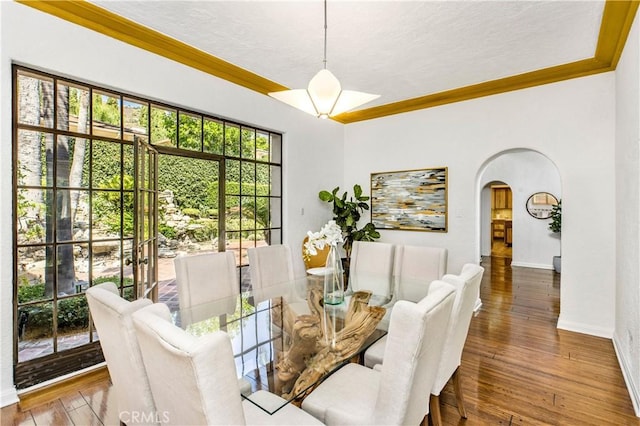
pixel 285 340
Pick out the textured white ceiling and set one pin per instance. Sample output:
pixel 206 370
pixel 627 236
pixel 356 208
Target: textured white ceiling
pixel 398 49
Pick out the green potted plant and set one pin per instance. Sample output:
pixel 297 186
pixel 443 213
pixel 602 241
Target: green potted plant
pixel 346 213
pixel 556 227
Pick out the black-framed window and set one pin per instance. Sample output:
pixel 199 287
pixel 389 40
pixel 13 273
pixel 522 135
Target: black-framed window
pixel 73 186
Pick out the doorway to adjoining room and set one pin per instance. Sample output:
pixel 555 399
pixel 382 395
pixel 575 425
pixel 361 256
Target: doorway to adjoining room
pixel 506 182
pixel 501 221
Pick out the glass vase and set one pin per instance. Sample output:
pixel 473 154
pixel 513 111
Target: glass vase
pixel 334 278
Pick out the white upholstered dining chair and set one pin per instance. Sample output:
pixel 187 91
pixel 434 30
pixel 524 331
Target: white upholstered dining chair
pixel 414 269
pixel 398 392
pixel 193 379
pixel 371 268
pixel 272 266
pixel 111 316
pixel 204 278
pixel 467 286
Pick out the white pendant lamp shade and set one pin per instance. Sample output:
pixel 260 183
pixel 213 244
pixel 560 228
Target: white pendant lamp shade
pixel 349 99
pixel 296 98
pixel 324 96
pixel 324 90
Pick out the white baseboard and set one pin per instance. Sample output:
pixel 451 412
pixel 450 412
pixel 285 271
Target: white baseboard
pixel 532 265
pixel 584 328
pixel 632 387
pixel 9 396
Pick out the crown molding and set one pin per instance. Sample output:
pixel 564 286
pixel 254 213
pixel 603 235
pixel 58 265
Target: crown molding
pixel 93 17
pixel 617 19
pixel 521 81
pixel 614 29
pixel 616 23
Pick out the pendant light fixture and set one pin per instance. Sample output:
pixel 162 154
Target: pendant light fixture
pixel 324 96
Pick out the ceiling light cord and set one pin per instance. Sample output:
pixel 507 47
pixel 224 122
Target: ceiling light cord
pixel 324 60
pixel 324 96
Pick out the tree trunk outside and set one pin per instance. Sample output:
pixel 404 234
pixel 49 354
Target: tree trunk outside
pixel 50 267
pixel 64 267
pixel 79 148
pixel 29 143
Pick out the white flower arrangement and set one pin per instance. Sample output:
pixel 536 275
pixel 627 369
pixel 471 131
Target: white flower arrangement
pixel 329 235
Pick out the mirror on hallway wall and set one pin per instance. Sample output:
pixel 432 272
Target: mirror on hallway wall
pixel 540 205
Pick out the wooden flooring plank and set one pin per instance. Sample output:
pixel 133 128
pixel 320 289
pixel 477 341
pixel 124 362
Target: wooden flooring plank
pixel 13 415
pixel 84 416
pixel 73 401
pixel 103 402
pixel 51 413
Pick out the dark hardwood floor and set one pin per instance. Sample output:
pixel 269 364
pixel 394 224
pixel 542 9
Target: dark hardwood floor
pixel 517 367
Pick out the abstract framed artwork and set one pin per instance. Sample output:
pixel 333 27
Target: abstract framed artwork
pixel 411 200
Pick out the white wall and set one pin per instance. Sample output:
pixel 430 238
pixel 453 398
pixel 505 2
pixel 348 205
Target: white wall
pixel 571 123
pixel 313 149
pixel 627 331
pixel 526 172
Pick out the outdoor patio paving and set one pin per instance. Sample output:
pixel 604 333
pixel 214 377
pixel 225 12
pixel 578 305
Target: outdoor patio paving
pixel 167 293
pixel 34 348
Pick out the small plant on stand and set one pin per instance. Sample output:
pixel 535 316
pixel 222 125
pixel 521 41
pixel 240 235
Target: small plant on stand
pixel 556 227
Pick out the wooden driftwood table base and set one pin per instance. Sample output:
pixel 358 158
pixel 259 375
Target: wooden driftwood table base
pixel 316 346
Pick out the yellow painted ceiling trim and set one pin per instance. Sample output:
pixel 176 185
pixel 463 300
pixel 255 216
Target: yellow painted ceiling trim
pixel 535 78
pixel 105 22
pixel 616 23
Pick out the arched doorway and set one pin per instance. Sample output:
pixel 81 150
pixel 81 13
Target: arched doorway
pixel 525 172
